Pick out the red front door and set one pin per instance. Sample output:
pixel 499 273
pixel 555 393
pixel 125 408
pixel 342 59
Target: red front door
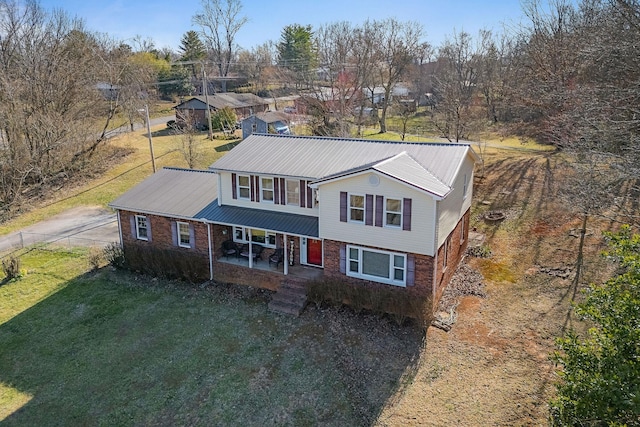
pixel 314 252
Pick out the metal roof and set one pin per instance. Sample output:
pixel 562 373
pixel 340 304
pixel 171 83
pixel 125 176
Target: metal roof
pixel 173 192
pixel 221 100
pixel 300 225
pixel 319 157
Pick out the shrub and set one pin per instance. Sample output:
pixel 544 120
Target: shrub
pixel 482 251
pixel 11 268
pixel 114 255
pixel 96 258
pixel 398 303
pixel 166 263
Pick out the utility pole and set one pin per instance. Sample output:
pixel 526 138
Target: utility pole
pixel 205 92
pixel 153 158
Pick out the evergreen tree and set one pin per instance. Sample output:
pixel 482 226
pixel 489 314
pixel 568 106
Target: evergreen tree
pixel 191 47
pixel 296 51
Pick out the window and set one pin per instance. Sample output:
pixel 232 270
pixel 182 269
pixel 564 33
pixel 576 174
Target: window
pixel 378 266
pixel 263 237
pixel 293 192
pixel 266 186
pixel 244 187
pixel 142 227
pixel 464 187
pixel 445 253
pixel 393 213
pixel 184 236
pixel 356 208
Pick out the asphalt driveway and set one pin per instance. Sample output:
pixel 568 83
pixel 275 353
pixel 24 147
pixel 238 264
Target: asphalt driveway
pixel 81 226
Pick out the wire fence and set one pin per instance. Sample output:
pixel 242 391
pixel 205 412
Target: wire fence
pixel 22 240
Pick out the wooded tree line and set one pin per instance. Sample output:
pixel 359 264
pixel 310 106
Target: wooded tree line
pixel 567 75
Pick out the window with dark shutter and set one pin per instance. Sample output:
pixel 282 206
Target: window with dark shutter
pixel 406 214
pixel 368 210
pixel 309 195
pixel 379 211
pixel 343 206
pixel 174 233
pixel 283 192
pixel 343 259
pixel 411 270
pixel 234 184
pixel 303 192
pixel 276 191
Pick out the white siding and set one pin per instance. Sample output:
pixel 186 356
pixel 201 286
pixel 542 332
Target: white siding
pixel 226 197
pixel 418 240
pixel 451 209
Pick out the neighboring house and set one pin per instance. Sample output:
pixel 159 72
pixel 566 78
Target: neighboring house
pixel 195 108
pixel 373 213
pixel 109 91
pixel 269 122
pixel 325 99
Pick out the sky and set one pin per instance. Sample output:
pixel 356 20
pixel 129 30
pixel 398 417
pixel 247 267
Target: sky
pixel 165 22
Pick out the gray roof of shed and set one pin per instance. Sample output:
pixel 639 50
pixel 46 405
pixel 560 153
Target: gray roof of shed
pixel 301 225
pixel 173 192
pixel 317 158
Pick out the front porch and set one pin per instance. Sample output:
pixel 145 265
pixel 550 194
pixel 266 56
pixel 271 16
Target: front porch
pixel 296 271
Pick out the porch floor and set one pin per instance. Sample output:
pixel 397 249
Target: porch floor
pixel 299 271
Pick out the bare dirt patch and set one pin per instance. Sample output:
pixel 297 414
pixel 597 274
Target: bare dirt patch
pixel 493 367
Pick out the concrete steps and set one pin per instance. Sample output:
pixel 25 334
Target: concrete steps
pixel 291 298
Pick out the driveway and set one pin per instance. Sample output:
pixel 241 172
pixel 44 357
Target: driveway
pixel 81 226
pixel 138 126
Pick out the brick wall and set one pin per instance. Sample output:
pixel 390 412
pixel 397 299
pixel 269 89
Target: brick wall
pixel 456 252
pixel 423 270
pixel 231 273
pixel 162 235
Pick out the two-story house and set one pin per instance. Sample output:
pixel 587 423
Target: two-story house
pixel 374 213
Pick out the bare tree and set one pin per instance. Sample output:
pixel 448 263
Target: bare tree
pixel 189 146
pixel 220 21
pixel 253 63
pixel 398 45
pixel 48 97
pixel 456 85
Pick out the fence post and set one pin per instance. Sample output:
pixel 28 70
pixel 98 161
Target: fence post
pixel 21 241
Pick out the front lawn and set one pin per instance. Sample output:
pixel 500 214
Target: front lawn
pixel 113 348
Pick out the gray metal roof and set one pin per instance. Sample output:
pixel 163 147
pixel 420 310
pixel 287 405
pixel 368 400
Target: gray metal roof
pixel 221 100
pixel 273 116
pixel 171 192
pixel 319 157
pixel 300 225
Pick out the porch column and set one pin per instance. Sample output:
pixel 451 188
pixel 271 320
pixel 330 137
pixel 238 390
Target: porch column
pixel 210 251
pixel 285 247
pixel 250 254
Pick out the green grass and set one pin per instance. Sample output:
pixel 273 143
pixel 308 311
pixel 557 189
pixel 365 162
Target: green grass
pixel 111 348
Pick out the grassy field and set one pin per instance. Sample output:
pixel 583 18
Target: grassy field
pixel 111 348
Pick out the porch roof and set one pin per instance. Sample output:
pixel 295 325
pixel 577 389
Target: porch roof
pixel 299 225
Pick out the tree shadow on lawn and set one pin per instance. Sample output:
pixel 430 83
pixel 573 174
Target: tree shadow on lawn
pixel 118 348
